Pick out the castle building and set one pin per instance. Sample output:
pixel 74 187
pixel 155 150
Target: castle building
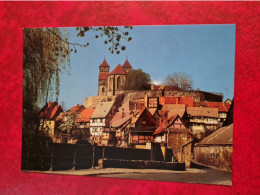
pixel 111 83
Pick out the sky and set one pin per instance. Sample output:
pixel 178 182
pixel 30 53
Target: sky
pixel 205 52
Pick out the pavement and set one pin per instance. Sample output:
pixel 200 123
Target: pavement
pixel 191 175
pixel 111 171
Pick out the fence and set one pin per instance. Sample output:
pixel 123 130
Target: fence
pixel 45 155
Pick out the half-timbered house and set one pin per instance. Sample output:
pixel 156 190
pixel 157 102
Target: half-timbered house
pixel 142 128
pixel 100 121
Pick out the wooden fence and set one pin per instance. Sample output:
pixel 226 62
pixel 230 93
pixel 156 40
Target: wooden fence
pixel 57 156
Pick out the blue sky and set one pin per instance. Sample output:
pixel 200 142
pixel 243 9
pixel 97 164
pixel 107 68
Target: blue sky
pixel 204 52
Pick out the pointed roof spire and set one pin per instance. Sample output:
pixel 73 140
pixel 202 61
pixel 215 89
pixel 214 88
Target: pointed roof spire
pixel 127 64
pixel 118 70
pixel 104 63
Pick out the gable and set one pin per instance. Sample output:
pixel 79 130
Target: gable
pixel 145 119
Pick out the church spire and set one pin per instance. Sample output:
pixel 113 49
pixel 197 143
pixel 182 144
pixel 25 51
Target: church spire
pixel 104 67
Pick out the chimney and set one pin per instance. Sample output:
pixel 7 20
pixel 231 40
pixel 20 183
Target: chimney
pixel 123 113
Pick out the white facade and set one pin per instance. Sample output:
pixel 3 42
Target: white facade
pixel 97 126
pixel 160 138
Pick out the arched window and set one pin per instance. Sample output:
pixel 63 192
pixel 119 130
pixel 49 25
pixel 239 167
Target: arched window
pixel 103 89
pixel 118 82
pixel 110 84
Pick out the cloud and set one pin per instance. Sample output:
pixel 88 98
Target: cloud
pixel 157 82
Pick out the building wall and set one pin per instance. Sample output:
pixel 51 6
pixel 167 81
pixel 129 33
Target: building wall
pixel 176 141
pixel 159 138
pixel 215 156
pixel 50 126
pixel 113 87
pixel 102 85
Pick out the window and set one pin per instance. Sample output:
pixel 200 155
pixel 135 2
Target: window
pixel 103 89
pixel 118 82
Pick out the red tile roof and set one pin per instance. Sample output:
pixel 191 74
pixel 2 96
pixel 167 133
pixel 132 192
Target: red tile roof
pixel 165 124
pixel 222 107
pixel 121 121
pixel 119 115
pixel 118 70
pixel 77 108
pixel 104 64
pixel 55 112
pixel 188 101
pixel 84 116
pixel 50 111
pixel 201 111
pixel 103 75
pixel 127 64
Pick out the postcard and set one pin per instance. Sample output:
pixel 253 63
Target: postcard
pixel 133 102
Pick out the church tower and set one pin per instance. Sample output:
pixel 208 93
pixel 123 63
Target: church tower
pixel 104 67
pixel 127 66
pixel 102 79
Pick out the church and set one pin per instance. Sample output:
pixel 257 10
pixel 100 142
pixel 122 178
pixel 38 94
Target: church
pixel 111 83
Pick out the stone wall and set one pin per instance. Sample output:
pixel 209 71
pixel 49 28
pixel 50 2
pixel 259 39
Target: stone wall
pixel 176 141
pixel 140 164
pixel 215 156
pixel 197 95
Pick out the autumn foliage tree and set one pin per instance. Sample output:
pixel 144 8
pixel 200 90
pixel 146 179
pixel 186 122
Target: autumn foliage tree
pixel 181 80
pixel 137 80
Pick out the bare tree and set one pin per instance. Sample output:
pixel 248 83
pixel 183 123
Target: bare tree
pixel 181 80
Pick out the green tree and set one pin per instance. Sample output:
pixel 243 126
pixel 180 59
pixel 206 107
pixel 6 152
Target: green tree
pixel 46 55
pixel 137 80
pixel 181 80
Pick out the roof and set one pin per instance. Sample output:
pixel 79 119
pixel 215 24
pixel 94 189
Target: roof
pixel 222 106
pixel 55 111
pixel 119 115
pixel 140 113
pixel 188 101
pixel 222 136
pixel 201 111
pixel 103 75
pixel 127 64
pixel 77 108
pixel 84 116
pixel 165 124
pixel 174 109
pixel 104 64
pixel 102 109
pixel 118 70
pixel 121 121
pixel 50 111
